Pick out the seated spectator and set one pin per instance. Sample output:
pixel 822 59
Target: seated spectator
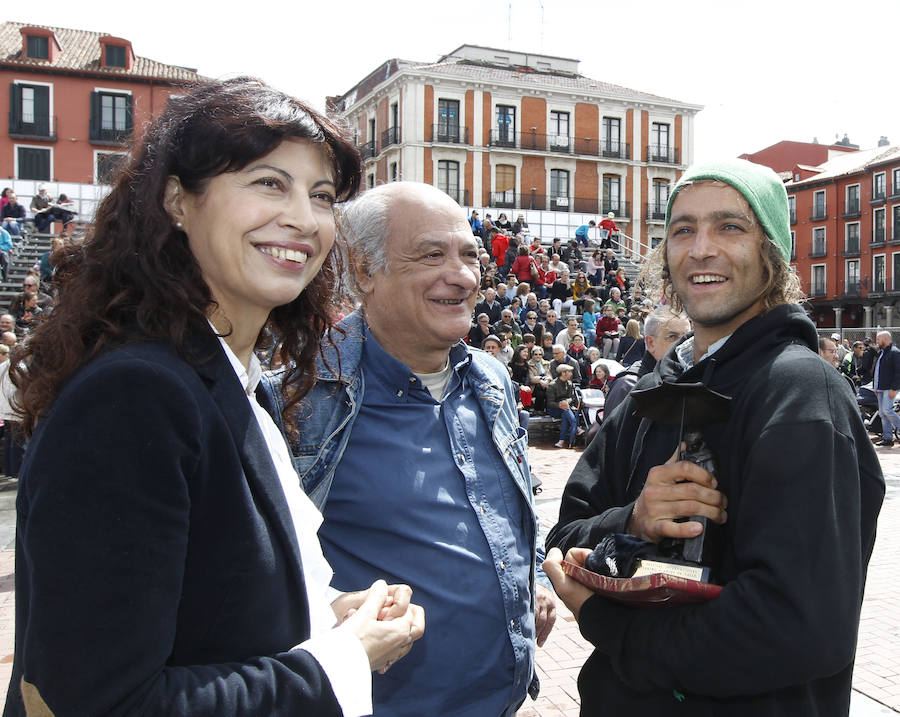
pixel 535 248
pixel 547 344
pixel 531 325
pixel 503 223
pixel 506 348
pixel 515 305
pixel 46 262
pixel 566 336
pixel 600 378
pixel 40 202
pixel 579 286
pixel 9 338
pixel 610 263
pixel 608 331
pixel 615 300
pixel 480 331
pixel 4 196
pixel 560 399
pixel 12 216
pixel 507 323
pixel 543 308
pixel 502 295
pixel 529 341
pixel 6 251
pixel 489 306
pixel 538 377
pixel 529 303
pixel 619 281
pixel 520 225
pixel 561 294
pixel 29 314
pixel 30 284
pixel 572 256
pixel 588 322
pixel 475 223
pixel 595 268
pixel 578 352
pixel 552 324
pixel 518 366
pixel 7 323
pixel 631 345
pixel 491 344
pixel 561 358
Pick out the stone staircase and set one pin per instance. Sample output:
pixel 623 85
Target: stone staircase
pixel 26 254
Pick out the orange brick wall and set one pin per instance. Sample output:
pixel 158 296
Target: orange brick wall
pixel 428 119
pixel 629 131
pixel 639 210
pixel 470 119
pixel 429 167
pixel 534 174
pixel 468 175
pixel 534 114
pixel 586 179
pixel 645 135
pixel 73 161
pixel 587 117
pixel 485 178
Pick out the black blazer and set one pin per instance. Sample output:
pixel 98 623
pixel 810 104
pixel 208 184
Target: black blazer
pixel 157 567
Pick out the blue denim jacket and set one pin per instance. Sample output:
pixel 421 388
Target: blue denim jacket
pixel 328 411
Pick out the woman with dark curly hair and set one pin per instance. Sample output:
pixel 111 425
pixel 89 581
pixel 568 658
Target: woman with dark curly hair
pixel 167 561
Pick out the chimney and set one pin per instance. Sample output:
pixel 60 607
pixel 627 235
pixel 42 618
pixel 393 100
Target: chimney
pixel 883 142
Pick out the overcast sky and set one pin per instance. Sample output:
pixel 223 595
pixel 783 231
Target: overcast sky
pixel 764 70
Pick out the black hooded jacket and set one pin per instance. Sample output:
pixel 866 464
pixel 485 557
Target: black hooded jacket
pixel 804 488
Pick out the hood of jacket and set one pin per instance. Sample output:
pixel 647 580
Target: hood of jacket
pixel 728 368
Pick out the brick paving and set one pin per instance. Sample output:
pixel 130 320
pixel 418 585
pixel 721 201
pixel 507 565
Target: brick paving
pixel 876 680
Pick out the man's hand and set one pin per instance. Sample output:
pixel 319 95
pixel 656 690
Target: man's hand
pixel 544 613
pixel 564 405
pixel 570 591
pixel 678 489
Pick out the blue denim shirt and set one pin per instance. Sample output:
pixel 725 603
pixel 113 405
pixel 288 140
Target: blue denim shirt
pixel 328 413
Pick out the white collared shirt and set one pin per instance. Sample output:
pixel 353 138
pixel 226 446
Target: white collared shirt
pixel 339 652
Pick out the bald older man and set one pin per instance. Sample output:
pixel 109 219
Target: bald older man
pixel 416 459
pixel 887 383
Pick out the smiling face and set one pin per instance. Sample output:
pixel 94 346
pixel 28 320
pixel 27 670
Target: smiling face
pixel 262 233
pixel 714 253
pixel 422 304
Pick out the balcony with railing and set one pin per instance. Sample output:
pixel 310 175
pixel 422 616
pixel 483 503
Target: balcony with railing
pixel 852 288
pixel 461 196
pixel 817 290
pixel 895 284
pixel 878 235
pixel 368 150
pixel 852 210
pixel 449 134
pixel 390 136
pixel 818 249
pixel 32 127
pixel 620 208
pixel 818 213
pixel 662 155
pixel 655 212
pixel 793 215
pixel 894 238
pixel 877 196
pixel 851 247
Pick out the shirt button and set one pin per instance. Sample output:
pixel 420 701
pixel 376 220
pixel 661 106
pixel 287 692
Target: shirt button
pixel 412 379
pixel 512 624
pixel 482 510
pixel 502 565
pixel 461 457
pixel 400 393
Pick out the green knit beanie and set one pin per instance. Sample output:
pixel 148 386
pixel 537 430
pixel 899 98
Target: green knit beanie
pixel 759 185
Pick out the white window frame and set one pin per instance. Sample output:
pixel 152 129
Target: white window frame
pixel 50 103
pixel 883 176
pixel 792 208
pixel 812 277
pixel 895 278
pixel 824 232
pixel 875 212
pixel 847 235
pixel 875 258
pixel 793 245
pixel 847 198
pixel 31 146
pixel 97 153
pixel 824 203
pixel 847 265
pixel 895 181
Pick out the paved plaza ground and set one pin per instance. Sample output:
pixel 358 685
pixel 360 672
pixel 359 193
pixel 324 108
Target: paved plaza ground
pixel 876 679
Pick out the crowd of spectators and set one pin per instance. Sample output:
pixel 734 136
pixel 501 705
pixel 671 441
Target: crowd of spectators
pixel 543 306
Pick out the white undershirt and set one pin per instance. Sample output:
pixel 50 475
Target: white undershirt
pixel 338 652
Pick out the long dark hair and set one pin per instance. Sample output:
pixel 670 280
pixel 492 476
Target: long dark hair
pixel 135 279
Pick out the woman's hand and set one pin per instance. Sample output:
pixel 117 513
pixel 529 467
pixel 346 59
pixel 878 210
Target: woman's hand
pixel 386 623
pixel 569 590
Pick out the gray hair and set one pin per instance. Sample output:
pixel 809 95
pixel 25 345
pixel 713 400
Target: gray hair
pixel 558 347
pixel 661 315
pixel 364 224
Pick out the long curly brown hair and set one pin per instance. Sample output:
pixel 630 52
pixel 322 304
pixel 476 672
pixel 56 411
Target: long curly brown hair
pixel 135 279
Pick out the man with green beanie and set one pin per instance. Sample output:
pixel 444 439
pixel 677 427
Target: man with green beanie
pixel 792 506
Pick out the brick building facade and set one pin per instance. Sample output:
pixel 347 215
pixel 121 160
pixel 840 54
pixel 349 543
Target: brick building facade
pixel 523 133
